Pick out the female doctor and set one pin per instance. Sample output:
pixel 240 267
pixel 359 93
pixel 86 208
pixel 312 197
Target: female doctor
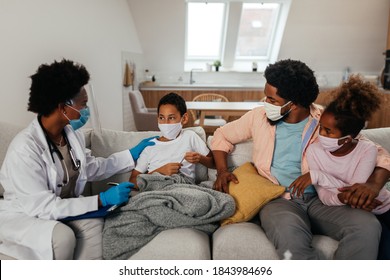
pixel 46 168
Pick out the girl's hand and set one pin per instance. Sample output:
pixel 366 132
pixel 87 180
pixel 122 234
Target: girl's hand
pixel 298 187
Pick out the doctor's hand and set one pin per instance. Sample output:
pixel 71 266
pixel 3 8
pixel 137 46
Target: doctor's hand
pixel 116 195
pixel 137 150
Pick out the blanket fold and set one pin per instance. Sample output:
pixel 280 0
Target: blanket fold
pixel 164 202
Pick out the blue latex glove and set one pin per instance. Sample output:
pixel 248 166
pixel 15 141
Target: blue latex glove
pixel 116 195
pixel 137 150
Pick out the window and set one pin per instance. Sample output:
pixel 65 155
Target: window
pixel 237 32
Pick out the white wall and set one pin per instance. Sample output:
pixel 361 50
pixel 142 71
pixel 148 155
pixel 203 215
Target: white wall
pixel 91 32
pixel 328 35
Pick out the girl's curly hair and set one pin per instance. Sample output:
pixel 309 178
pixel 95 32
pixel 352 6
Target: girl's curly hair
pixel 355 102
pixel 54 84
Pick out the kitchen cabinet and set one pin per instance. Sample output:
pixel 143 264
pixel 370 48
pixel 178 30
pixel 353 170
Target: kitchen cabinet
pixel 152 96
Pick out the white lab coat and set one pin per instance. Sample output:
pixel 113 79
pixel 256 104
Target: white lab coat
pixel 31 202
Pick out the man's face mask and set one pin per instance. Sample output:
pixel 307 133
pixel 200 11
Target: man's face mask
pixel 273 112
pixel 84 116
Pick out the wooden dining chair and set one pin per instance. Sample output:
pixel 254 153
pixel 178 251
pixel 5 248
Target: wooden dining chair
pixel 211 123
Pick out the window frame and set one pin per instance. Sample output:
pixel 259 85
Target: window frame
pixel 230 34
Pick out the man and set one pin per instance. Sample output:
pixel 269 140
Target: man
pixel 281 132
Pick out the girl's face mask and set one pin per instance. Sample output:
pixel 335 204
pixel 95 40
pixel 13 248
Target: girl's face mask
pixel 331 144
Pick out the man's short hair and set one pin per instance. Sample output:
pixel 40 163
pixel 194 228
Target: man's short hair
pixel 294 81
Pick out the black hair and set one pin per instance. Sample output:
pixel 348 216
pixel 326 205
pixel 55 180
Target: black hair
pixel 294 81
pixel 175 100
pixel 54 84
pixel 356 101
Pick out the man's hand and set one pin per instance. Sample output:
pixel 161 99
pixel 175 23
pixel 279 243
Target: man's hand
pixel 359 196
pixel 223 179
pixel 298 187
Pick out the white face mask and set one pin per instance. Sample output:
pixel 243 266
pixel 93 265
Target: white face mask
pixel 331 144
pixel 170 130
pixel 273 112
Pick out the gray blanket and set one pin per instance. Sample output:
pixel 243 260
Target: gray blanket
pixel 164 202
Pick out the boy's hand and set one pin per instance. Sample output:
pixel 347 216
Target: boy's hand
pixel 298 187
pixel 169 168
pixel 192 157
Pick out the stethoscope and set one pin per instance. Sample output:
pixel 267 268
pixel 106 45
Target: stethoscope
pixel 53 149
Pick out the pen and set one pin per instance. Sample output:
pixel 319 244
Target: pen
pixel 113 207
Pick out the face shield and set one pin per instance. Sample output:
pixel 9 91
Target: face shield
pixel 94 120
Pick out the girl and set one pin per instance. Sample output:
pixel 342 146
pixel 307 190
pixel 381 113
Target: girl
pixel 339 158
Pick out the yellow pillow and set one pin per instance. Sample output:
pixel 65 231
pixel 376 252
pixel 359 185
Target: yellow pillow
pixel 251 193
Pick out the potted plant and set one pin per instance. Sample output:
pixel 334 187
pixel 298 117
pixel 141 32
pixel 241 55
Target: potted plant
pixel 217 64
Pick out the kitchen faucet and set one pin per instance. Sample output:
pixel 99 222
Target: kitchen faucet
pixel 194 69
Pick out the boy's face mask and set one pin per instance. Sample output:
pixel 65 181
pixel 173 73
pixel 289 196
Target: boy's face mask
pixel 170 130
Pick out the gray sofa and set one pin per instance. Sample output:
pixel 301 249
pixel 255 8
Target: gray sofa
pixel 236 241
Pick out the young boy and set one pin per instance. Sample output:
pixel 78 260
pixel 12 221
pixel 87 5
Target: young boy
pixel 177 150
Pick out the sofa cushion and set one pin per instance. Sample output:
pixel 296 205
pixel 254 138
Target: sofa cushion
pixel 242 241
pixel 111 141
pixel 229 243
pixel 176 244
pixel 251 193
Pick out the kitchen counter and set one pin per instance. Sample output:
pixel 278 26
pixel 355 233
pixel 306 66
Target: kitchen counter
pixel 237 93
pixel 196 86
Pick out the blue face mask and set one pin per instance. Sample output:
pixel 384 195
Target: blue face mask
pixel 84 116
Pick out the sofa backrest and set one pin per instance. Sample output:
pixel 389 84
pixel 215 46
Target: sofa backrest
pixel 8 132
pixel 110 141
pixel 243 151
pixel 380 136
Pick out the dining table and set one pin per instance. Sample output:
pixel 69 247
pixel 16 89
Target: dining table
pixel 212 108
